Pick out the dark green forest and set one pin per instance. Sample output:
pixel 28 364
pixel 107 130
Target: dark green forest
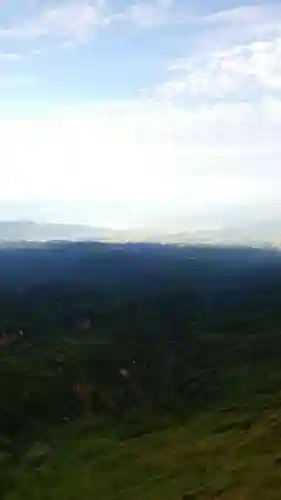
pixel 140 372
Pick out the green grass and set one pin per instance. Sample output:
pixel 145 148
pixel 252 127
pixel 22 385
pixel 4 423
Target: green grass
pixel 230 455
pixel 226 446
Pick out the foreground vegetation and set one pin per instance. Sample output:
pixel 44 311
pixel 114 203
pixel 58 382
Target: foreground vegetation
pixel 164 397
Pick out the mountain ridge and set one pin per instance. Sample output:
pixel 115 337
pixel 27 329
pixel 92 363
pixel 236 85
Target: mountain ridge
pixel 262 232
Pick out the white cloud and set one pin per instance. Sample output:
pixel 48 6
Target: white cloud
pixel 243 14
pixel 243 24
pixel 238 71
pixel 209 135
pixel 77 20
pixel 150 13
pixel 228 64
pixel 11 56
pixel 144 153
pixel 70 20
pixel 226 106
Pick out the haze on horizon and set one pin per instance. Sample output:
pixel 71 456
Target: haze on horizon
pixel 140 113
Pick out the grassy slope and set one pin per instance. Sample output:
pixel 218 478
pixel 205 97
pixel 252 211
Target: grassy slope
pixel 210 457
pixel 231 451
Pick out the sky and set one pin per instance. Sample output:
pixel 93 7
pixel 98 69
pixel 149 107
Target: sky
pixel 146 112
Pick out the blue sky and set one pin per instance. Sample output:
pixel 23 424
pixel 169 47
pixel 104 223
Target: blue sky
pixel 124 113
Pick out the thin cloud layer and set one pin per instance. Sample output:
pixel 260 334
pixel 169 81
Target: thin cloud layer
pixel 144 153
pixel 204 134
pixel 242 71
pixel 231 69
pixel 71 20
pixel 76 20
pixel 151 13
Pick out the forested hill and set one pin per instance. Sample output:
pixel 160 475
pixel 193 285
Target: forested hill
pixel 28 264
pixel 132 371
pixel 95 277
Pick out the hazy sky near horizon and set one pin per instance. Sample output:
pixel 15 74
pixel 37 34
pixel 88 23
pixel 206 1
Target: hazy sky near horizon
pixel 143 110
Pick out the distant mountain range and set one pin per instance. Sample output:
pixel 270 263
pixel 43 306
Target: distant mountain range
pixel 31 231
pixel 260 232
